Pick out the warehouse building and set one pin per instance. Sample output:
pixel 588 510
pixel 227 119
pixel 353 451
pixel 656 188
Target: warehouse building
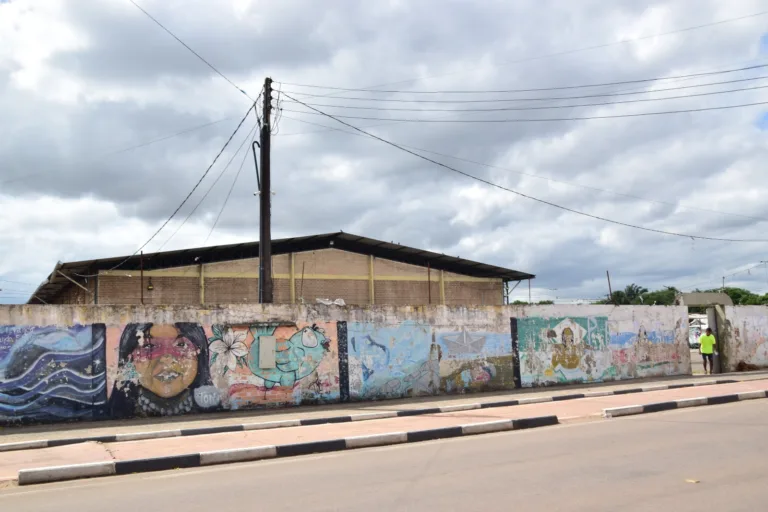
pixel 332 266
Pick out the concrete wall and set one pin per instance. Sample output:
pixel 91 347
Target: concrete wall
pixel 69 362
pixel 303 276
pixel 745 336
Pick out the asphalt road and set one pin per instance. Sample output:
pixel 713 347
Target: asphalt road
pixel 650 462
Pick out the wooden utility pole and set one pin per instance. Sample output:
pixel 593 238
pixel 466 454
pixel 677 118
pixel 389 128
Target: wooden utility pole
pixel 610 292
pixel 265 202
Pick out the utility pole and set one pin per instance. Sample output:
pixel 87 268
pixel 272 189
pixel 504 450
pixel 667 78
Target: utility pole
pixel 265 202
pixel 610 292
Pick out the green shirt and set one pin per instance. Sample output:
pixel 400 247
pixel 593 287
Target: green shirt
pixel 707 343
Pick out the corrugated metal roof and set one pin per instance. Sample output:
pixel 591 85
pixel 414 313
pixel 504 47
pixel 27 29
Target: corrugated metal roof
pixel 55 283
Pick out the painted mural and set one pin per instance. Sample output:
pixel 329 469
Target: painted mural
pixel 305 368
pixel 52 373
pixel 392 361
pixel 475 361
pixel 592 349
pixel 182 368
pixel 163 370
pixel 746 343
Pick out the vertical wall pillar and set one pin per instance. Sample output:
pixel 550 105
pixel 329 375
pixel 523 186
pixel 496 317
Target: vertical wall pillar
pixel 292 271
pixel 202 285
pixel 442 288
pixel 341 333
pixel 515 353
pixel 371 281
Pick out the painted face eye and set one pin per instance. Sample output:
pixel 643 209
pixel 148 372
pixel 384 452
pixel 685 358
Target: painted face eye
pixel 309 338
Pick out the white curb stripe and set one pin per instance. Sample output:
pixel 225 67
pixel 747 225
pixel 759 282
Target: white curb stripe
pixel 272 424
pixel 535 400
pixel 461 407
pixel 239 455
pixel 58 473
pixel 23 445
pixel 488 427
pixel 751 395
pixel 141 436
pixel 374 416
pixel 376 440
pixel 691 402
pixel 615 412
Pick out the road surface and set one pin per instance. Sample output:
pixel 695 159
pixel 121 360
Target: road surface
pixel 650 462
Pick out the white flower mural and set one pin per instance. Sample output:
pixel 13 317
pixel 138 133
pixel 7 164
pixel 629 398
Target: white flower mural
pixel 228 348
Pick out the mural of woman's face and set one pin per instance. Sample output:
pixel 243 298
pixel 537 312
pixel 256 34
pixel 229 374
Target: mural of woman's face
pixel 165 361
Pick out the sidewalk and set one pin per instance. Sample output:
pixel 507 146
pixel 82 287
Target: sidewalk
pixel 114 427
pixel 92 452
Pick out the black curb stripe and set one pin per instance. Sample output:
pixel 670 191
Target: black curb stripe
pixel 660 406
pixel 418 412
pixel 52 443
pixel 627 391
pixel 575 396
pixel 291 450
pixel 507 403
pixel 723 399
pixel 211 430
pixel 435 433
pixel 679 386
pixel 540 421
pixel 157 464
pixel 322 421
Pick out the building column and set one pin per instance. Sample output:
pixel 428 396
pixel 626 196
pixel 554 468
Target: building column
pixel 371 281
pixel 442 288
pixel 202 285
pixel 292 284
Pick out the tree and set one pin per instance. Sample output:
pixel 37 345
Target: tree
pixel 633 292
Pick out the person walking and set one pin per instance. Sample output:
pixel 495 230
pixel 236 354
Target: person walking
pixel 707 348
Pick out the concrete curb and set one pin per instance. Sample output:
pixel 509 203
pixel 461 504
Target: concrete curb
pixel 632 410
pixel 140 436
pixel 79 471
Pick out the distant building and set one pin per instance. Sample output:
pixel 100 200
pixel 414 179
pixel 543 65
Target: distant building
pixel 353 268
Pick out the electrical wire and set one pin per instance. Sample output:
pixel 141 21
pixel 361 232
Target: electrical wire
pixel 540 120
pixel 545 107
pixel 222 75
pixel 226 200
pixel 185 199
pixel 131 148
pixel 221 174
pixel 549 203
pixel 540 177
pixel 546 98
pixel 535 89
pixel 586 48
pixel 17 282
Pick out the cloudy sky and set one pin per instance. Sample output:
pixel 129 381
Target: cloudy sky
pixel 83 82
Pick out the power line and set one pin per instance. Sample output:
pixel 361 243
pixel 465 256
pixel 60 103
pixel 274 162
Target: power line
pixel 186 198
pixel 540 120
pixel 226 200
pixel 221 174
pixel 546 107
pixel 131 148
pixel 536 89
pixel 544 98
pixel 185 45
pixel 17 282
pixel 495 185
pixel 588 48
pixel 540 177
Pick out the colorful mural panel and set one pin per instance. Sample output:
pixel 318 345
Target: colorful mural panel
pixel 475 361
pixel 305 369
pixel 563 349
pixel 52 373
pixel 592 349
pixel 392 361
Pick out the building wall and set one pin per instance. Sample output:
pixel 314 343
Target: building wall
pixel 246 356
pixel 745 337
pixel 326 274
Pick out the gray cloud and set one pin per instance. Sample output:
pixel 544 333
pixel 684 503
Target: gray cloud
pixel 126 82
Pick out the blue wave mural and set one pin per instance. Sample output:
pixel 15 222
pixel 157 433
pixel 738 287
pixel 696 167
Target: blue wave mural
pixel 52 373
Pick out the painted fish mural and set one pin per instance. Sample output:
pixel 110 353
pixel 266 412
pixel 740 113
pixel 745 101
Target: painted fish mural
pixel 295 357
